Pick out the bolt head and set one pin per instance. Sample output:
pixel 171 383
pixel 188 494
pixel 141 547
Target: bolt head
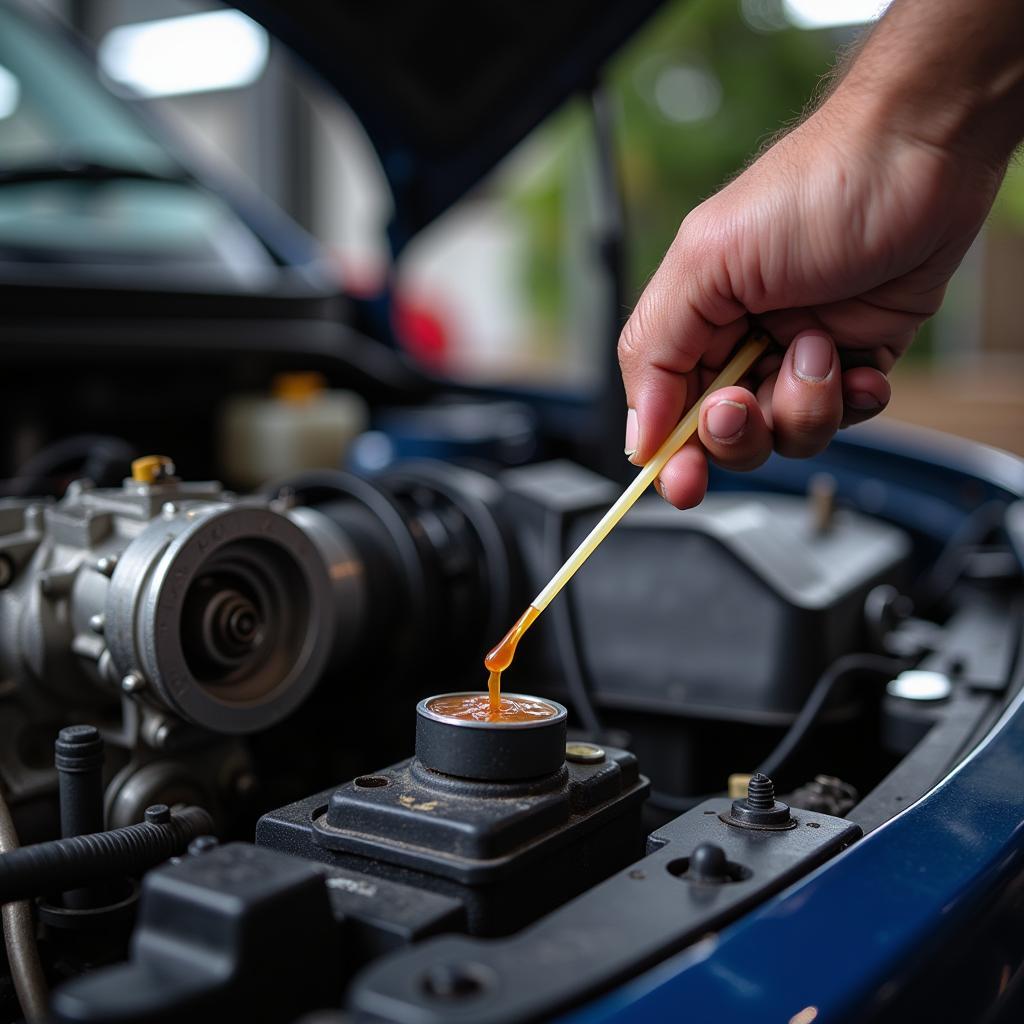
pixel 584 753
pixel 133 683
pixel 106 565
pixel 158 814
pixel 97 622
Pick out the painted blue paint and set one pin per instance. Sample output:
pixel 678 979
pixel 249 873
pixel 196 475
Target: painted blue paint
pixel 842 938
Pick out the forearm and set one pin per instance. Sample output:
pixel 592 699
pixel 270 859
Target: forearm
pixel 947 72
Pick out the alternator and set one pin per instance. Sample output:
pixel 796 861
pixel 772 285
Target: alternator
pixel 219 609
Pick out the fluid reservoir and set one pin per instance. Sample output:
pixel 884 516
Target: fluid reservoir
pixel 302 425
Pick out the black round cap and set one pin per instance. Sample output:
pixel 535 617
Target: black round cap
pixel 490 751
pixel 79 748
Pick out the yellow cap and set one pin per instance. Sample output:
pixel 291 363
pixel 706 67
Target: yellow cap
pixel 738 786
pixel 151 468
pixel 299 387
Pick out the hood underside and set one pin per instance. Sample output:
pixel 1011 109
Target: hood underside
pixel 445 90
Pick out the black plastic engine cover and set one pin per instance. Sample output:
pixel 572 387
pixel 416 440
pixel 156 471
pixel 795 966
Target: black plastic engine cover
pixel 238 926
pixel 614 931
pixel 730 610
pixel 509 852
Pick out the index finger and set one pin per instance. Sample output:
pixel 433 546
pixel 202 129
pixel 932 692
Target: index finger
pixel 664 340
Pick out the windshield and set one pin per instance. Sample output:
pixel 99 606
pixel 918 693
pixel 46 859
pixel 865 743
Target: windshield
pixel 83 182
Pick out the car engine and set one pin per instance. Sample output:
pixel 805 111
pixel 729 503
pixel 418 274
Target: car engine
pixel 230 790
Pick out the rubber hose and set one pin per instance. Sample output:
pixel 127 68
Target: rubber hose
pixel 19 931
pixel 74 862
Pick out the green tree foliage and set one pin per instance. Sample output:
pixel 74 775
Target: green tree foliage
pixel 697 93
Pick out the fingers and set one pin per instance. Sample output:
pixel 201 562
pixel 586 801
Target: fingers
pixel 807 399
pixel 866 393
pixel 733 431
pixel 797 410
pixel 680 321
pixel 658 388
pixel 684 479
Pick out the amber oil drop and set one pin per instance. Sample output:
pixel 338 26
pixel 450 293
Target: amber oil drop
pixel 501 657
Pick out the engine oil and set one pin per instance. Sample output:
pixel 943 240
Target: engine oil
pixel 499 659
pixel 479 707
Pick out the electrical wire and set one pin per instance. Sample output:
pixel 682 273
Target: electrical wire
pixel 799 730
pixel 949 565
pixel 797 733
pixel 95 457
pixel 20 938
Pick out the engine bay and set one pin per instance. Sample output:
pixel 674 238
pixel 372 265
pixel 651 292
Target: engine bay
pixel 243 685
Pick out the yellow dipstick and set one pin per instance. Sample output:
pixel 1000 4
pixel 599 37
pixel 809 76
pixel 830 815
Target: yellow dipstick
pixel 500 658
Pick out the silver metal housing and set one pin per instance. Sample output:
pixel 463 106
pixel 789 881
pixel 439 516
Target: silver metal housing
pixel 223 611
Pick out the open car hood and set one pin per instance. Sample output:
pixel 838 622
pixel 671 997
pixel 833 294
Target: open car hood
pixel 445 90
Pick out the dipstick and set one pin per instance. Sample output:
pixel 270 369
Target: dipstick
pixel 501 657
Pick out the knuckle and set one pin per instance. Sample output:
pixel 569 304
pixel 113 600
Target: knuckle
pixel 699 227
pixel 636 332
pixel 626 350
pixel 808 423
pixel 805 430
pixel 705 230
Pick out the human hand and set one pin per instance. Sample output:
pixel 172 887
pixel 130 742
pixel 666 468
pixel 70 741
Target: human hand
pixel 840 241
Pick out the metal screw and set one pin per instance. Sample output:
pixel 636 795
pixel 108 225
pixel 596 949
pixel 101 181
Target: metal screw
pixel 169 509
pixel 584 753
pixel 97 622
pixel 133 682
pixel 106 565
pixel 158 814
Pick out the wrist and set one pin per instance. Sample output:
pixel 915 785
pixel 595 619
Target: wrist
pixel 940 79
